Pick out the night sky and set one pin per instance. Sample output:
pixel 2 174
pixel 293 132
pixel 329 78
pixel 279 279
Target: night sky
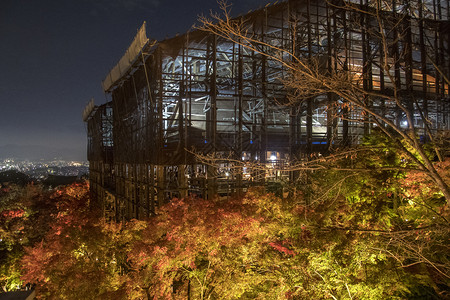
pixel 55 53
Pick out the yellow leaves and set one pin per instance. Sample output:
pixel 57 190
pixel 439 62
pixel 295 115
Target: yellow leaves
pixel 81 251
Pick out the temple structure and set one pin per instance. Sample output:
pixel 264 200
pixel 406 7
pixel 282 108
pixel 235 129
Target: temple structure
pixel 201 93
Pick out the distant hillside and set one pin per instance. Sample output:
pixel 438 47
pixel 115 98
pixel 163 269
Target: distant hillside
pixel 55 180
pixel 36 152
pixel 14 176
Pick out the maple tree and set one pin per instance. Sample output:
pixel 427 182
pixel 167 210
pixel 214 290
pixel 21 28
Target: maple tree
pixel 397 212
pixel 271 248
pixel 81 256
pixel 196 245
pixel 381 235
pixel 25 214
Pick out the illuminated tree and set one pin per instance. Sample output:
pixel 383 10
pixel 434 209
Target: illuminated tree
pixel 25 214
pixel 398 215
pixel 348 245
pixel 265 247
pixel 197 248
pixel 81 256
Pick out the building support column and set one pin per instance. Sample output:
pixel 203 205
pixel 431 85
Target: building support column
pixel 182 181
pixel 211 182
pixel 160 179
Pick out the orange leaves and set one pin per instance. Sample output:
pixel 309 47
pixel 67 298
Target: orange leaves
pixel 33 262
pixel 419 185
pixel 11 214
pixel 78 250
pixel 197 239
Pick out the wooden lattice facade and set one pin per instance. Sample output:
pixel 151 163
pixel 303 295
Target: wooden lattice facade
pixel 199 91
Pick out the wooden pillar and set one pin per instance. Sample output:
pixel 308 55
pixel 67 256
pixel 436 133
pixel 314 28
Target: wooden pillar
pixel 211 181
pixel 160 178
pixel 309 101
pixel 423 60
pixel 151 186
pixel 263 149
pixel 240 119
pixel 309 113
pixel 182 181
pixel 366 70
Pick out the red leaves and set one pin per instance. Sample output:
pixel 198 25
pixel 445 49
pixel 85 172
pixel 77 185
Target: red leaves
pixel 280 247
pixel 191 240
pixel 5 189
pixel 35 259
pixel 302 209
pixel 11 214
pixel 419 185
pixel 195 237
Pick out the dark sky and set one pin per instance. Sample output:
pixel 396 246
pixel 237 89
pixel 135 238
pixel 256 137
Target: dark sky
pixel 55 53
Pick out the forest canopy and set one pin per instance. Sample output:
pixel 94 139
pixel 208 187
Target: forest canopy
pixel 379 235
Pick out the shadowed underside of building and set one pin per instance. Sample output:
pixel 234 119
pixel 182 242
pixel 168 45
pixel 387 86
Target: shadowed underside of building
pixel 202 93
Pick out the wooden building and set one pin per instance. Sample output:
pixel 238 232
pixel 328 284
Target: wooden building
pixel 202 93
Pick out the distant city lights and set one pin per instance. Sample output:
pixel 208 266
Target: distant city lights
pixel 41 169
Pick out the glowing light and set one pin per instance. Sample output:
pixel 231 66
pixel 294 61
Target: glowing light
pixel 227 174
pixel 273 157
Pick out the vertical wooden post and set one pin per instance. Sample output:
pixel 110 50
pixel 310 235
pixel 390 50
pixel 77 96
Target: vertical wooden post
pixel 182 181
pixel 160 178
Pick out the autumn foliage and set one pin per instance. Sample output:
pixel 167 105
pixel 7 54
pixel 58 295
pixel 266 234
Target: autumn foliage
pixel 25 216
pixel 378 236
